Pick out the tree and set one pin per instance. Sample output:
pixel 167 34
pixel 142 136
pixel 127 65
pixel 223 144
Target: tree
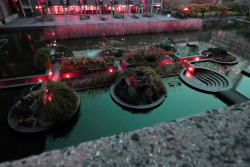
pixel 213 7
pixel 200 1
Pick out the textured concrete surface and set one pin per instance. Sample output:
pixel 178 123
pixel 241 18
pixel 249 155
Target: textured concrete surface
pixel 214 138
pixel 29 22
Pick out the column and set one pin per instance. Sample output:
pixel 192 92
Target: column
pixel 24 14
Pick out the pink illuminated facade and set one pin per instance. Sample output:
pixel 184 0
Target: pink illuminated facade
pixel 77 7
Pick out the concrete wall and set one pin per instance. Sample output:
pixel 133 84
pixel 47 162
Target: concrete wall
pixel 5 10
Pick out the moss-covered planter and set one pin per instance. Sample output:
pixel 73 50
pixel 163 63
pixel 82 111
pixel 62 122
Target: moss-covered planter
pixel 139 89
pixel 34 125
pixel 131 106
pixel 226 58
pixel 42 58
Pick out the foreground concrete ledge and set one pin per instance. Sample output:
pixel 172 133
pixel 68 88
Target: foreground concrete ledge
pixel 214 138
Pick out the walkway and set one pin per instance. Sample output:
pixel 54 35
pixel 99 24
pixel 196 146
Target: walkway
pixel 231 96
pixel 29 22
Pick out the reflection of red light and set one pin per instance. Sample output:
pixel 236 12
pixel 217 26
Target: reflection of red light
pixel 185 60
pixel 32 47
pixel 188 74
pixel 29 36
pixel 190 69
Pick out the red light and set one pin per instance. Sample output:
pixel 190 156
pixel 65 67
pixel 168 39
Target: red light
pixel 188 74
pixel 40 80
pixel 50 73
pixel 36 7
pixel 185 60
pixel 197 58
pixel 190 69
pixel 32 47
pixel 110 70
pixel 6 52
pixel 67 76
pixel 185 9
pixel 40 7
pixel 29 36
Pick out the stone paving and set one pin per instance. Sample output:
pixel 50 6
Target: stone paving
pixel 214 138
pixel 25 22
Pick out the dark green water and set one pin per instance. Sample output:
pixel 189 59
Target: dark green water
pixel 99 116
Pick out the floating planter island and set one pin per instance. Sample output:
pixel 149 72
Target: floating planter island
pixel 140 89
pixel 45 109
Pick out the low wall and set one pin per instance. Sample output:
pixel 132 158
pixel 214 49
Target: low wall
pixel 214 138
pixel 120 28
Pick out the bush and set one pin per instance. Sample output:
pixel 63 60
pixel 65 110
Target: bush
pixel 60 101
pixel 42 58
pixel 83 63
pixel 214 51
pixel 63 49
pixel 169 69
pixel 148 86
pixel 167 47
pixel 97 79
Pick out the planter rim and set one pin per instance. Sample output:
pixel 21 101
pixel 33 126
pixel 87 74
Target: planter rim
pixel 47 127
pixel 131 106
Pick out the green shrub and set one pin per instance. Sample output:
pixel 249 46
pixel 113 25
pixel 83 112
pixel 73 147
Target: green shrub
pixel 148 83
pixel 97 79
pixel 167 47
pixel 62 104
pixel 169 69
pixel 42 58
pixel 63 49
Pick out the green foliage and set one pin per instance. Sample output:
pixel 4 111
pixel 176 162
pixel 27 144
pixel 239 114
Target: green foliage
pixel 237 7
pixel 97 79
pixel 63 49
pixel 169 69
pixel 42 58
pixel 148 81
pixel 167 47
pixel 215 51
pixel 109 46
pixel 62 104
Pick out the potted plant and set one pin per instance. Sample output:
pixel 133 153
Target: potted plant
pixel 44 109
pixel 42 58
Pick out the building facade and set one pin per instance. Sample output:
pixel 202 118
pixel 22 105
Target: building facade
pixel 77 7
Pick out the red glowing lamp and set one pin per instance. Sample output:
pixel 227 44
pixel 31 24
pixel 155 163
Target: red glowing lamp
pixel 110 70
pixel 50 73
pixel 185 9
pixel 40 80
pixel 67 76
pixel 197 59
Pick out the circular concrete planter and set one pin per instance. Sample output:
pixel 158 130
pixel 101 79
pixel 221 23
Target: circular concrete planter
pixel 206 80
pixel 131 106
pixel 46 126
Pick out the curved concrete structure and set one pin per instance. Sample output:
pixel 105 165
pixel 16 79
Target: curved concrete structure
pixel 206 80
pixel 46 127
pixel 131 106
